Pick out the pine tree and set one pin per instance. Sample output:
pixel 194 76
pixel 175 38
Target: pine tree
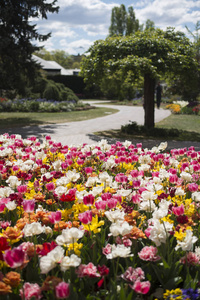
pixel 17 35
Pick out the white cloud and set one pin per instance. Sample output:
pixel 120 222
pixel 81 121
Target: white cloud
pixel 80 22
pixel 94 30
pixel 169 13
pixel 58 29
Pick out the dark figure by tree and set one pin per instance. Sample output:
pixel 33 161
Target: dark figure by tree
pixel 158 94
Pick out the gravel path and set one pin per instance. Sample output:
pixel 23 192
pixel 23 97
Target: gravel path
pixel 76 133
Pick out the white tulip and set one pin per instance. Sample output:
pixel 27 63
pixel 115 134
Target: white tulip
pixel 70 261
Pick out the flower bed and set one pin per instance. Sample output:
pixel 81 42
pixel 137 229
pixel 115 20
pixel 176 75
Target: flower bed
pixel 41 105
pixel 98 221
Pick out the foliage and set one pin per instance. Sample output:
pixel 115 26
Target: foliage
pixel 191 109
pixel 196 39
pixel 150 25
pixel 38 105
pixel 75 83
pixel 135 129
pixel 149 54
pixel 98 221
pixel 123 22
pixel 52 92
pixel 184 107
pixel 16 37
pixel 189 90
pixel 64 59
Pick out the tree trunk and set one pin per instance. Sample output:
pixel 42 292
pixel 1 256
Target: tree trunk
pixel 149 89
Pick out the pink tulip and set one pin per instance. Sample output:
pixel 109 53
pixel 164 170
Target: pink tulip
pixel 190 258
pixel 107 250
pixel 112 203
pixel 3 203
pixel 142 287
pixel 22 189
pixel 173 171
pixel 139 145
pixel 62 290
pixel 88 170
pixel 30 291
pixel 132 275
pixel 55 217
pixel 193 154
pixel 179 210
pixel 127 242
pixel 121 178
pixel 149 253
pixel 15 168
pixel 85 217
pixel 193 187
pixel 15 257
pixel 48 138
pixel 50 186
pixel 87 270
pixel 136 184
pixel 88 199
pixel 100 205
pixel 106 196
pixel 148 231
pixel 28 205
pixel 173 178
pixel 5 224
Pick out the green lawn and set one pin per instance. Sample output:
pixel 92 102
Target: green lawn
pixel 188 126
pixel 18 119
pixel 183 122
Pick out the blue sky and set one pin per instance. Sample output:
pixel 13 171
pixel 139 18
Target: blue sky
pixel 80 22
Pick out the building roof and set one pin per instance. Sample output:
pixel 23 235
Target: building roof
pixel 53 65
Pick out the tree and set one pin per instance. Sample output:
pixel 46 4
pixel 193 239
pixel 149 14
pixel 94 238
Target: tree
pixel 123 22
pixel 16 39
pixel 149 54
pixel 150 25
pixel 196 45
pixel 64 59
pixel 196 39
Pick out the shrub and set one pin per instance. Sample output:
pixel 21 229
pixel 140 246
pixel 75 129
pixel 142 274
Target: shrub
pixel 42 105
pixel 48 107
pixel 135 129
pixel 187 110
pixel 34 106
pixel 75 83
pixel 191 109
pixel 68 95
pixel 52 92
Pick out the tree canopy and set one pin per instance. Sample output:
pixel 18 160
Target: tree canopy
pixel 123 22
pixel 66 60
pixel 17 35
pixel 196 39
pixel 149 53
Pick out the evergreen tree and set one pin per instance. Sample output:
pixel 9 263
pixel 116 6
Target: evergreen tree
pixel 16 39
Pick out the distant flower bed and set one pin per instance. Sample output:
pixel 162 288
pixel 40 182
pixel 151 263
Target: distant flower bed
pixel 184 107
pixel 37 105
pixel 98 221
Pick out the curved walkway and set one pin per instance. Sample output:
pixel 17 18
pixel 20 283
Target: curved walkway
pixel 76 133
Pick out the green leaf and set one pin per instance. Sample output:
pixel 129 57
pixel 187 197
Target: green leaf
pixel 173 283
